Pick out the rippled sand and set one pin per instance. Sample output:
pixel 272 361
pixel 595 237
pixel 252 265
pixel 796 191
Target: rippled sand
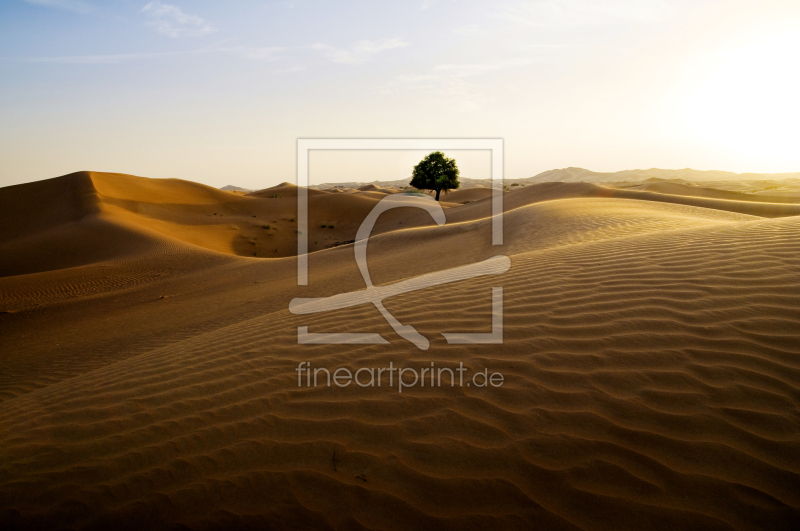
pixel 650 360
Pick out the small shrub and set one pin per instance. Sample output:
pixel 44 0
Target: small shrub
pixel 265 227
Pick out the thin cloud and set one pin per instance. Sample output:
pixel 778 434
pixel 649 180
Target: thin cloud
pixel 248 52
pixel 450 72
pixel 583 13
pixel 91 59
pixel 358 52
pixel 69 5
pixel 454 84
pixel 171 21
pixel 475 69
pixel 456 93
pixel 251 52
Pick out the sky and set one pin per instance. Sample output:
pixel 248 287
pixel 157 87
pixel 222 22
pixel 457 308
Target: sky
pixel 219 92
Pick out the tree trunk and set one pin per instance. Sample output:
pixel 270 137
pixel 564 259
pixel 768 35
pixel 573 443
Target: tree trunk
pixel 437 194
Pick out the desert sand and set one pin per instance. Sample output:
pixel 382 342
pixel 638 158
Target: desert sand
pixel 651 360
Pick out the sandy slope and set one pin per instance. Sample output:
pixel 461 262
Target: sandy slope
pixel 663 187
pixel 467 195
pixel 650 358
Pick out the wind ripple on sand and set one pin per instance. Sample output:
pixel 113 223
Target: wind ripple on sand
pixel 650 380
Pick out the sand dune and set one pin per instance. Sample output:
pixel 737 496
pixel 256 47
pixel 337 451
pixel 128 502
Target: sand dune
pixel 373 188
pixel 467 195
pixel 284 190
pixel 684 175
pixel 548 191
pixel 650 358
pixel 663 187
pixel 96 217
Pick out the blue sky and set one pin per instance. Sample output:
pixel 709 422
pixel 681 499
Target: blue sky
pixel 218 92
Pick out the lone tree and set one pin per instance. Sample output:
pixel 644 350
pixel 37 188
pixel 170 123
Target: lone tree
pixel 435 172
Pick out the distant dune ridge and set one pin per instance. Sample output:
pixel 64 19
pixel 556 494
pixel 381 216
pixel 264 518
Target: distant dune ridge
pixel 650 357
pixel 724 179
pixel 232 188
pixel 688 174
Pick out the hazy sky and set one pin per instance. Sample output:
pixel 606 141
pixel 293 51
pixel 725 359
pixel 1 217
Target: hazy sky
pixel 218 92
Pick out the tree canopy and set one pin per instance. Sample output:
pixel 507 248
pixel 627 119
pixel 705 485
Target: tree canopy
pixel 436 172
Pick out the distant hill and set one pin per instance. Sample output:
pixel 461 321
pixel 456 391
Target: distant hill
pixel 402 183
pixel 575 175
pixel 232 188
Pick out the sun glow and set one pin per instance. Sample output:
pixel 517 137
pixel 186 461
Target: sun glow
pixel 748 100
